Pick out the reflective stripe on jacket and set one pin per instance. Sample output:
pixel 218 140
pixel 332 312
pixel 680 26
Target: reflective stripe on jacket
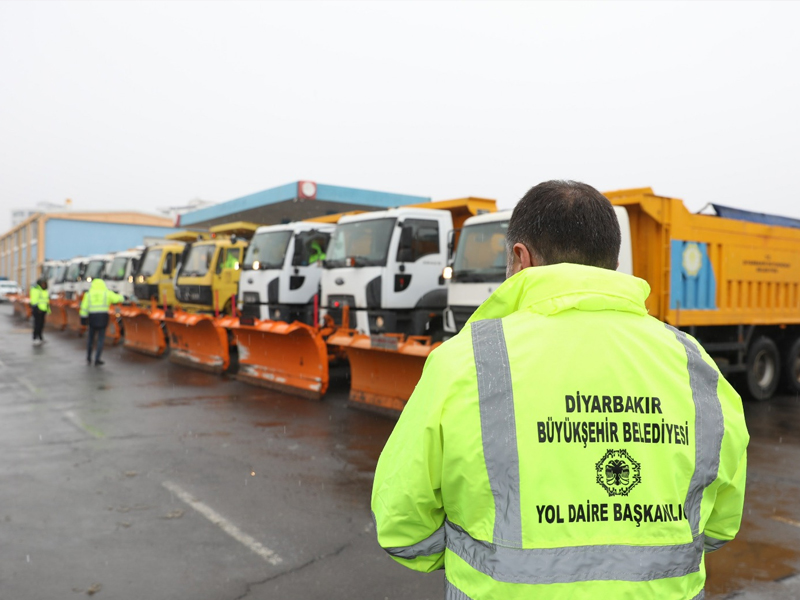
pixel 564 445
pixel 98 299
pixel 40 298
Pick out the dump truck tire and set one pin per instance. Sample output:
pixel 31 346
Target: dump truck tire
pixel 763 369
pixel 791 369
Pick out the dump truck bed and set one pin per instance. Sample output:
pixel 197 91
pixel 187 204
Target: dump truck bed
pixel 709 270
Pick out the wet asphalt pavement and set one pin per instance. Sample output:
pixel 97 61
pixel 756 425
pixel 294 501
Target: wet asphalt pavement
pixel 145 479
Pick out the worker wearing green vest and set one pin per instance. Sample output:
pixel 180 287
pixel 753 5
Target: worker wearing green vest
pixel 39 298
pixel 564 444
pixel 94 312
pixel 318 253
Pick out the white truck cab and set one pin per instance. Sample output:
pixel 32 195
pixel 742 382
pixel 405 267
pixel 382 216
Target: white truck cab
pixel 478 268
pixel 119 271
pixel 53 271
pixel 95 269
pixel 76 268
pixel 479 264
pixel 386 266
pixel 281 271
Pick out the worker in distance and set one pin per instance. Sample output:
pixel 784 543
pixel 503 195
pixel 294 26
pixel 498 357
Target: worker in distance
pixel 94 313
pixel 564 444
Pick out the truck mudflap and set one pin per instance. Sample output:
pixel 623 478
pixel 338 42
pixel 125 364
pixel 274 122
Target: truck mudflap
pixel 72 309
pixel 57 319
pixel 143 330
pixel 288 357
pixel 199 340
pixel 384 369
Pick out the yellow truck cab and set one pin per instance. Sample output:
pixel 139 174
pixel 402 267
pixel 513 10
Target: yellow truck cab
pixel 208 278
pixel 155 275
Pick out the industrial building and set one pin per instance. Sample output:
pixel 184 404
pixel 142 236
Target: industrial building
pixel 294 202
pixel 65 235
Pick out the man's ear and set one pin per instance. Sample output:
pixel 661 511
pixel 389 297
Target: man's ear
pixel 524 257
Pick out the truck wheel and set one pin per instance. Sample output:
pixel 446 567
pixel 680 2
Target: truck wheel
pixel 763 368
pixel 792 368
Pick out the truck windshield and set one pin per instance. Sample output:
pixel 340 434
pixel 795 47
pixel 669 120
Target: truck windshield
pixel 74 272
pixel 360 244
pixel 198 262
pixel 95 269
pixel 116 269
pixel 267 250
pixel 481 253
pixel 150 260
pixel 61 271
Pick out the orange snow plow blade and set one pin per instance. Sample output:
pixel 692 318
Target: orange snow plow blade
pixel 384 369
pixel 288 357
pixel 22 307
pixel 72 308
pixel 199 341
pixel 57 319
pixel 143 332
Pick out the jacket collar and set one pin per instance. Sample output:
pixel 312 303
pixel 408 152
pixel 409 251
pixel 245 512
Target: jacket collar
pixel 555 288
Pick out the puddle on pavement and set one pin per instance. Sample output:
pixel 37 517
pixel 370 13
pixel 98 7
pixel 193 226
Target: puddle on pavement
pixel 741 562
pixel 748 558
pixel 184 400
pixel 268 424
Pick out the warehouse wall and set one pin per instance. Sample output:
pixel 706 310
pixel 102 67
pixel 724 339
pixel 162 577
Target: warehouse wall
pixel 65 239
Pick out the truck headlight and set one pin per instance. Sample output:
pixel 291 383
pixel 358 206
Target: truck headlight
pixel 447 273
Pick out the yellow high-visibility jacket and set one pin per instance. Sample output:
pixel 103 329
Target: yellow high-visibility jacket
pixel 98 299
pixel 565 445
pixel 40 298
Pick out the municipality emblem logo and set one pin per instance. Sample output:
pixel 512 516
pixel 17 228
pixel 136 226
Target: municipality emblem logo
pixel 618 473
pixel 692 259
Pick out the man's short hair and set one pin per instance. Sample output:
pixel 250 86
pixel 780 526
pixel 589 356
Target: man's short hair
pixel 566 222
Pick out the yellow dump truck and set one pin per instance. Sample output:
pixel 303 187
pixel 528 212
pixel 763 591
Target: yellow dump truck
pixel 208 278
pixel 155 274
pixel 731 279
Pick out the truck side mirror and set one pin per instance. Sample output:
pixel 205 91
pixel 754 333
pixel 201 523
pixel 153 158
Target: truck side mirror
pixel 451 243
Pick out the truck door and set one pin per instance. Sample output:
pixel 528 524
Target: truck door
pixel 308 252
pixel 227 274
pixel 418 263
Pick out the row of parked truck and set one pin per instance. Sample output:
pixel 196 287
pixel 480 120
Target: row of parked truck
pixel 277 305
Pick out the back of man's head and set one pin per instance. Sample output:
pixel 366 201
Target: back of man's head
pixel 566 222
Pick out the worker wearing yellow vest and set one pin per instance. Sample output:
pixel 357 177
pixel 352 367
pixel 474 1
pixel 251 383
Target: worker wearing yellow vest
pixel 564 444
pixel 39 298
pixel 94 313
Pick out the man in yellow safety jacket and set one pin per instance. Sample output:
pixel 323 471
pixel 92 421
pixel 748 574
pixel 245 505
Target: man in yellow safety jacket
pixel 94 312
pixel 39 298
pixel 564 444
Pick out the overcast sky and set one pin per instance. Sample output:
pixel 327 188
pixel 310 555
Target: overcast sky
pixel 139 105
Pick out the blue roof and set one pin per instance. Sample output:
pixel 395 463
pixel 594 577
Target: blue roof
pixel 289 191
pixel 754 217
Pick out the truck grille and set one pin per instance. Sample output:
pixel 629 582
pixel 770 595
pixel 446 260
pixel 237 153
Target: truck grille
pixel 195 294
pixel 145 291
pixel 251 311
pixel 461 315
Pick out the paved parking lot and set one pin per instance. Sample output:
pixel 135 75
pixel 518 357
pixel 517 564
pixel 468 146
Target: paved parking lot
pixel 144 479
